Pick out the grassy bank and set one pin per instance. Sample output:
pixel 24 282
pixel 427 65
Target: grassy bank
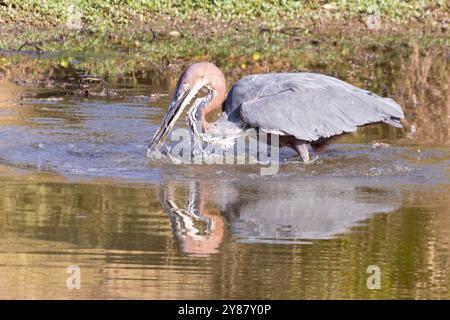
pixel 101 14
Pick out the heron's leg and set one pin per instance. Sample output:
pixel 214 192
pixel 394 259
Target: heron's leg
pixel 302 149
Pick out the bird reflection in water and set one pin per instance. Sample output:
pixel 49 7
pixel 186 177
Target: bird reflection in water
pixel 280 212
pixel 198 228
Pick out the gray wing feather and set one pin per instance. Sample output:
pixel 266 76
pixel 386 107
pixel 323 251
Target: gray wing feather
pixel 309 106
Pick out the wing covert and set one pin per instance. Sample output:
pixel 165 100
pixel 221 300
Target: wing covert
pixel 311 110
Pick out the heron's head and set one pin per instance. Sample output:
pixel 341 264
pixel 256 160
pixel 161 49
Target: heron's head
pixel 198 76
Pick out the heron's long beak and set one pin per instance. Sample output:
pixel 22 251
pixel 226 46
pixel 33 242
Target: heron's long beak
pixel 183 95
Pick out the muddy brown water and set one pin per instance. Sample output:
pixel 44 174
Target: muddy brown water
pixel 76 189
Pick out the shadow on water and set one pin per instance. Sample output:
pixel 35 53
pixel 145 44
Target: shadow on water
pixel 77 188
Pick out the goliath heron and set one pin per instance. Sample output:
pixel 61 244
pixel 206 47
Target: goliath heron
pixel 301 108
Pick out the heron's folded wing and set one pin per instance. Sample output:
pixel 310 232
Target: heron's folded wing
pixel 319 112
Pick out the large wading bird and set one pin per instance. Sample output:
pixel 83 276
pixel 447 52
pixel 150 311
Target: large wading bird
pixel 301 108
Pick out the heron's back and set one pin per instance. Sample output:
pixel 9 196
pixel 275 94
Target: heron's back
pixel 307 105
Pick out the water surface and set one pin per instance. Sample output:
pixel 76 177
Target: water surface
pixel 77 189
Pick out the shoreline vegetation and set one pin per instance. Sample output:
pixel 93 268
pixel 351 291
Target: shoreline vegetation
pixel 35 25
pixel 43 41
pixel 100 15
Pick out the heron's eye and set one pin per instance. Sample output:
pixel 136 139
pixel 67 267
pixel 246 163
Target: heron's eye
pixel 204 90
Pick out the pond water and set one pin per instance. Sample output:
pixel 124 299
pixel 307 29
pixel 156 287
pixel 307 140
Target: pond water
pixel 76 189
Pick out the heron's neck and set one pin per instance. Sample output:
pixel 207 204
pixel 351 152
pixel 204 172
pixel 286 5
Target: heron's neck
pixel 197 114
pixel 218 134
pixel 215 103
